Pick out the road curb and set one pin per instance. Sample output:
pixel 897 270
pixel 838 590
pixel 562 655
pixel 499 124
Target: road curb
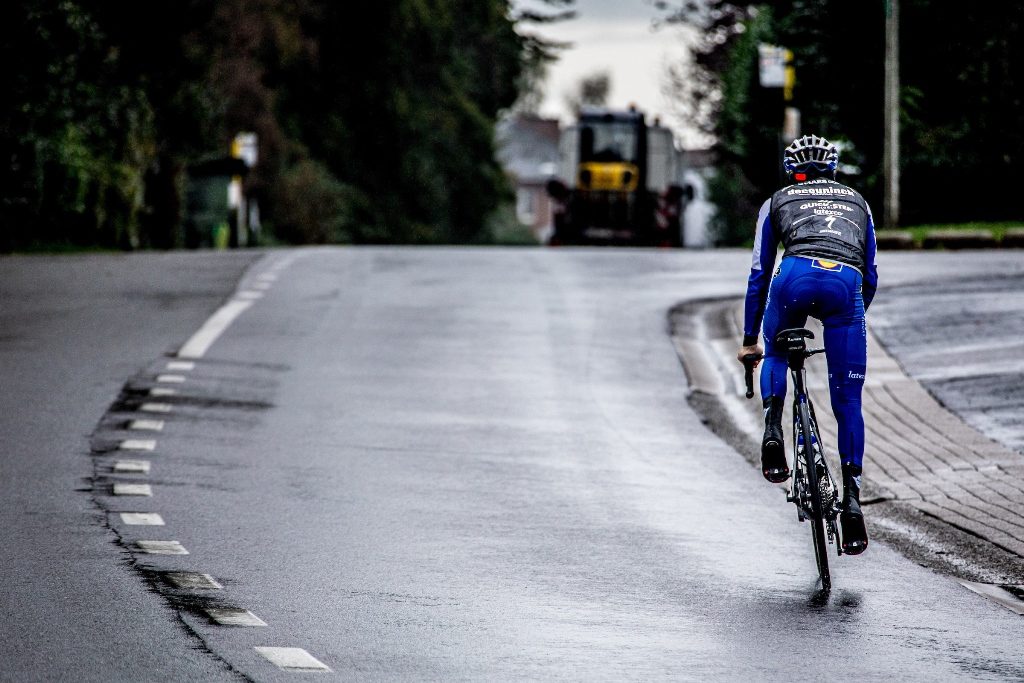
pixel 919 454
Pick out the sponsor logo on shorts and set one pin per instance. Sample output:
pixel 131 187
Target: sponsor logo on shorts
pixel 856 375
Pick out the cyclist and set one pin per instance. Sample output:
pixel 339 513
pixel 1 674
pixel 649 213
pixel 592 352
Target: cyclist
pixel 827 271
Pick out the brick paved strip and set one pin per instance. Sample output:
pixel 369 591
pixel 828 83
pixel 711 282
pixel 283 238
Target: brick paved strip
pixel 918 452
pixel 972 527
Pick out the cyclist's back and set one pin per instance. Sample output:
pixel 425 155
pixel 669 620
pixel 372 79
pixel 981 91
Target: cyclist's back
pixel 822 218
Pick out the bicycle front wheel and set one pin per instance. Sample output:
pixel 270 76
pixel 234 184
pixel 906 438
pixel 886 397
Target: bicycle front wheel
pixel 817 505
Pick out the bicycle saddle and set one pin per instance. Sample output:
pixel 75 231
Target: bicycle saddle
pixel 793 339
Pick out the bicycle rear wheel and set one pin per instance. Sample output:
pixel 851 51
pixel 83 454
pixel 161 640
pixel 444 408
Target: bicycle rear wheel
pixel 817 506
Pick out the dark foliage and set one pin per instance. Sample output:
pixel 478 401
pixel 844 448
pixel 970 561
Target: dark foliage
pixel 961 100
pixel 374 125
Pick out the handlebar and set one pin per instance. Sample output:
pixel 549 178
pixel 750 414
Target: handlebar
pixel 749 361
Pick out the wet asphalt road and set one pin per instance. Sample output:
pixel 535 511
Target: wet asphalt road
pixel 72 329
pixel 424 464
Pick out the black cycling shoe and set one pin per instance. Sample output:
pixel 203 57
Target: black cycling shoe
pixel 774 465
pixel 851 519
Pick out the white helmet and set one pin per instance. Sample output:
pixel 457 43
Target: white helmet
pixel 811 153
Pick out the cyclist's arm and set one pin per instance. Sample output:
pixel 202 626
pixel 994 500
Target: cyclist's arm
pixel 761 267
pixel 870 264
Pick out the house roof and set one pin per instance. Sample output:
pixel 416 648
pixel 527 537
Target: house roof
pixel 528 146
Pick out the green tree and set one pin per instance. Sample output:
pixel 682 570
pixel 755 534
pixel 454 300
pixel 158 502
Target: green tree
pixel 408 93
pixel 76 138
pixel 382 117
pixel 728 103
pixel 962 72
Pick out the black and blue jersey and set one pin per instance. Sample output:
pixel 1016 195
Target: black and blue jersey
pixel 818 219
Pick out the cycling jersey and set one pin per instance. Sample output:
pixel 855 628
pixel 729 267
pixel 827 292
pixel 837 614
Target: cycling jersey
pixel 815 219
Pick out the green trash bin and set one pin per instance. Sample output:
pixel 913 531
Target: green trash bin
pixel 209 219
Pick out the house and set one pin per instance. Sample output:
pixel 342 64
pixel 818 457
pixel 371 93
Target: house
pixel 528 151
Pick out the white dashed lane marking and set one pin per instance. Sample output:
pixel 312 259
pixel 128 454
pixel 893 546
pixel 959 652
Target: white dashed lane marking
pixel 133 490
pixel 286 658
pixel 137 445
pixel 234 617
pixel 193 580
pixel 201 341
pixel 142 518
pixel 292 659
pixel 132 466
pixel 147 425
pixel 161 547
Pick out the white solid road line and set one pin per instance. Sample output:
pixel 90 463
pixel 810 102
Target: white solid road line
pixel 996 594
pixel 292 658
pixel 228 616
pixel 181 365
pixel 156 408
pixel 161 547
pixel 132 466
pixel 201 341
pixel 137 445
pixel 142 518
pixel 147 425
pixel 132 490
pixel 193 580
pixel 249 295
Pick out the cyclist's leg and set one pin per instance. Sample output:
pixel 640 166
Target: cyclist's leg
pixel 783 310
pixel 846 351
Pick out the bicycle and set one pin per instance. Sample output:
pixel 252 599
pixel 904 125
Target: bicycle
pixel 813 490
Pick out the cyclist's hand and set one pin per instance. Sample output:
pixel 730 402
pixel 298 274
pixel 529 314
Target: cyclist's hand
pixel 746 350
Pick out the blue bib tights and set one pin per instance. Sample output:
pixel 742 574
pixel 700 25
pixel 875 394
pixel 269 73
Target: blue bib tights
pixel 832 294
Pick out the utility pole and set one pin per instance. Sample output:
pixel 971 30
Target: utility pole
pixel 891 162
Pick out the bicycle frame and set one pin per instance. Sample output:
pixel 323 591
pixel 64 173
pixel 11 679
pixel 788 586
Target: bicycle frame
pixel 813 490
pixel 816 499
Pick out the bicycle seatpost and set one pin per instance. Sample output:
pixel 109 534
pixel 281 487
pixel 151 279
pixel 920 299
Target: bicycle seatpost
pixel 749 361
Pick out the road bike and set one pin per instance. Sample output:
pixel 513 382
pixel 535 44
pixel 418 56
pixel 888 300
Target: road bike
pixel 813 488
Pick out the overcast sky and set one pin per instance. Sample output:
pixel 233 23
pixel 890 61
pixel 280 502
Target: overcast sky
pixel 615 36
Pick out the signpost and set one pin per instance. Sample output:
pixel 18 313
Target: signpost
pixel 775 70
pixel 245 147
pixel 891 160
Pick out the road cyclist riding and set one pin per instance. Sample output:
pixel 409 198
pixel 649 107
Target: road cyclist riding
pixel 828 272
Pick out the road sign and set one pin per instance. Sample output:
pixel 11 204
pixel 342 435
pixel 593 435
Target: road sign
pixel 772 62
